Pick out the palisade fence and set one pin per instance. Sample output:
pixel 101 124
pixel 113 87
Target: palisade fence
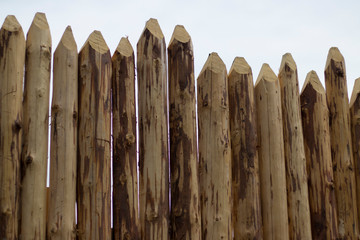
pixel 258 162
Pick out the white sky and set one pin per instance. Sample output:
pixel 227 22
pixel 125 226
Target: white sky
pixel 261 31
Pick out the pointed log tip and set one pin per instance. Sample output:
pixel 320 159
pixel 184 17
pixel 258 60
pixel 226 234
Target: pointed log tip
pixel 180 35
pixel 11 24
pixel 152 25
pixel 40 21
pixel 287 60
pixel 214 64
pixel 335 55
pixel 124 47
pixel 266 74
pixel 355 93
pixel 68 40
pixel 240 66
pixel 96 42
pixel 312 79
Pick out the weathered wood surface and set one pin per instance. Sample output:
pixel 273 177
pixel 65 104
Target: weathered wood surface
pixel 185 202
pixel 153 134
pixel 295 163
pixel 341 145
pixel 125 189
pixel 355 135
pixel 214 150
pixel 246 212
pixel 315 122
pixel 63 141
pixel 271 155
pixel 93 187
pixel 35 129
pixel 12 60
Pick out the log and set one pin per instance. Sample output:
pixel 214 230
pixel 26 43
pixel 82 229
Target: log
pixel 341 145
pixel 63 141
pixel 93 180
pixel 315 123
pixel 246 212
pixel 185 206
pixel 153 133
pixel 295 163
pixel 125 189
pixel 36 128
pixel 12 60
pixel 214 150
pixel 355 135
pixel 271 155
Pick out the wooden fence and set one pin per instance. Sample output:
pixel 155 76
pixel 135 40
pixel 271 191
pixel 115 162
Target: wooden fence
pixel 259 161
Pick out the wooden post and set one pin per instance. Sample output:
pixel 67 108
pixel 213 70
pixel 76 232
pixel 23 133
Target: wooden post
pixel 12 59
pixel 63 148
pixel 245 164
pixel 341 145
pixel 185 208
pixel 93 188
pixel 355 135
pixel 315 122
pixel 214 150
pixel 36 128
pixel 295 163
pixel 153 134
pixel 125 189
pixel 271 155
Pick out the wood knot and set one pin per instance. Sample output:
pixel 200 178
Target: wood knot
pixel 17 126
pixel 29 159
pixel 122 179
pixel 130 139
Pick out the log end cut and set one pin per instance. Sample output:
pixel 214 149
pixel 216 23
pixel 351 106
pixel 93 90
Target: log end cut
pixel 287 63
pixel 68 40
pixel 266 74
pixel 213 64
pixel 124 47
pixel 356 92
pixel 240 66
pixel 11 24
pixel 180 35
pixel 96 42
pixel 334 55
pixel 312 80
pixel 152 26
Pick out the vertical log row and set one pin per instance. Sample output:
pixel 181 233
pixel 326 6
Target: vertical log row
pixel 12 59
pixel 185 208
pixel 153 133
pixel 341 145
pixel 63 148
pixel 271 155
pixel 315 122
pixel 93 197
pixel 295 163
pixel 214 150
pixel 125 196
pixel 35 130
pixel 245 164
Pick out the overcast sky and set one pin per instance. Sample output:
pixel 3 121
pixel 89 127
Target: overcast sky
pixel 260 31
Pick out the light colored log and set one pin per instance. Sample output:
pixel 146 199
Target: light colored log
pixel 93 187
pixel 355 135
pixel 341 145
pixel 12 59
pixel 36 127
pixel 295 163
pixel 185 208
pixel 214 150
pixel 271 155
pixel 63 141
pixel 125 189
pixel 315 122
pixel 246 210
pixel 153 134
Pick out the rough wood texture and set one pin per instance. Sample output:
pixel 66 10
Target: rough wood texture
pixel 355 135
pixel 214 150
pixel 246 210
pixel 125 195
pixel 341 146
pixel 185 208
pixel 63 148
pixel 12 59
pixel 93 187
pixel 271 155
pixel 153 134
pixel 295 163
pixel 315 122
pixel 35 131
